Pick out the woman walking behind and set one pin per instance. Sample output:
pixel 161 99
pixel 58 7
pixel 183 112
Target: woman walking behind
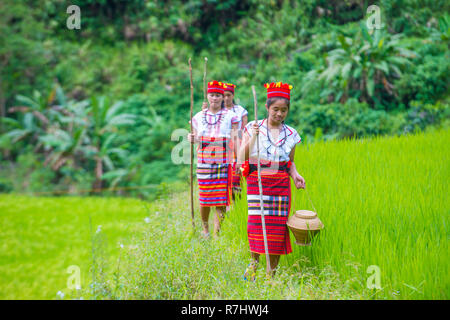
pixel 277 143
pixel 243 120
pixel 212 130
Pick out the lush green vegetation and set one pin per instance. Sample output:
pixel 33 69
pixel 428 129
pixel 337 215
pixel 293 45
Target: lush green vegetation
pixel 42 237
pixel 95 108
pixel 69 98
pixel 383 202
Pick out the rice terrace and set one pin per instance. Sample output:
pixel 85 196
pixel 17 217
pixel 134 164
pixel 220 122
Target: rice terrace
pixel 383 202
pixel 230 151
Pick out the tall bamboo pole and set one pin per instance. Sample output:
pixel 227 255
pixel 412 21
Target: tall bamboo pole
pixel 204 80
pixel 261 202
pixel 192 146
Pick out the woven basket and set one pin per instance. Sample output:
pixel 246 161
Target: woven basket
pixel 305 225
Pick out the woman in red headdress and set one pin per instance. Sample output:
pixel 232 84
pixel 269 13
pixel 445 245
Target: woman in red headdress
pixel 212 130
pixel 277 143
pixel 243 120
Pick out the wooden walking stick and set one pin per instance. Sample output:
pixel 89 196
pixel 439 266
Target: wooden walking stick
pixel 261 202
pixel 204 80
pixel 192 146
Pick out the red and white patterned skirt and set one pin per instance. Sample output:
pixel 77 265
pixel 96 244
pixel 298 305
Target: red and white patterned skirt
pixel 276 190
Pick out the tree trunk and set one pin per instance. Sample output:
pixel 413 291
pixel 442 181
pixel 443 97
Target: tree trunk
pixel 5 153
pixel 2 105
pixel 363 87
pixel 98 173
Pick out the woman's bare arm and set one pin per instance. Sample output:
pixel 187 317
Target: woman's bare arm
pixel 299 181
pixel 244 122
pixel 247 144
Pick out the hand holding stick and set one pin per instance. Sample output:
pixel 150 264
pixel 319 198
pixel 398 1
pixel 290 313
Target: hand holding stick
pixel 192 145
pixel 204 80
pixel 261 202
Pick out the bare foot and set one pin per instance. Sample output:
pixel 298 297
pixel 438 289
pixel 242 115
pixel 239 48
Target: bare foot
pixel 205 235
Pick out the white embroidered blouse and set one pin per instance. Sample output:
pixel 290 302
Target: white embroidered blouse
pixel 241 112
pixel 208 124
pixel 268 148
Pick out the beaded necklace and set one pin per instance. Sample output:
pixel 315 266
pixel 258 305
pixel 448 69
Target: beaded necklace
pixel 274 144
pixel 209 124
pixel 283 140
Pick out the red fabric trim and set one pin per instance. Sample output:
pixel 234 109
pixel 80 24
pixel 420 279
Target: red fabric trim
pixel 245 168
pixel 229 184
pixel 215 90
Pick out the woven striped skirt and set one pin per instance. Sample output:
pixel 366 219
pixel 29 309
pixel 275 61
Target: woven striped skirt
pixel 236 179
pixel 213 150
pixel 214 184
pixel 214 171
pixel 276 190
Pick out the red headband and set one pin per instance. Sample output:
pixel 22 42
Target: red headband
pixel 216 87
pixel 278 89
pixel 230 87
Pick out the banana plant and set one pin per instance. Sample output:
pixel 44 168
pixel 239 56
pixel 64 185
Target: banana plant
pixel 442 31
pixel 22 129
pixel 39 106
pixel 64 146
pixel 105 120
pixel 66 136
pixel 363 67
pixel 40 113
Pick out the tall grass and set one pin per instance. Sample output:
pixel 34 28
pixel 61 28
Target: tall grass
pixel 41 237
pixel 383 202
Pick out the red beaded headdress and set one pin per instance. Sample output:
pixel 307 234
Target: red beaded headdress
pixel 216 87
pixel 230 87
pixel 278 89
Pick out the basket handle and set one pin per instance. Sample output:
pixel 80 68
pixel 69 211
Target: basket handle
pixel 309 198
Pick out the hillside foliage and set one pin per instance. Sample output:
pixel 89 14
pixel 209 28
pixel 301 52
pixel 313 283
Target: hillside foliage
pixel 95 107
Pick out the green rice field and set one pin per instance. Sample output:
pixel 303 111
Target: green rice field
pixel 383 201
